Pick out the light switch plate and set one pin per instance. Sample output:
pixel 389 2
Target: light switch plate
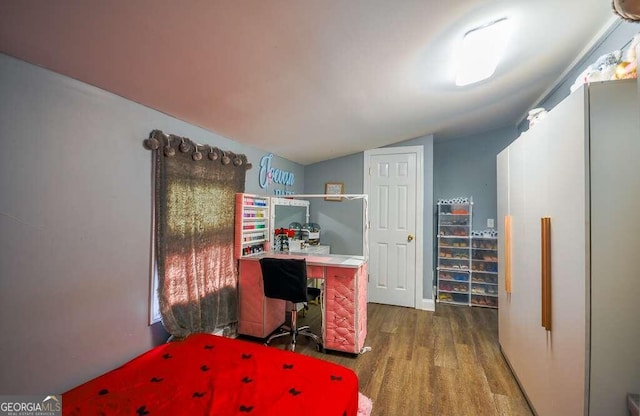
pixel 490 223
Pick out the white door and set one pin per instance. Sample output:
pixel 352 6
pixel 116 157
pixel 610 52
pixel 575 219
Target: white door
pixel 393 181
pixel 567 176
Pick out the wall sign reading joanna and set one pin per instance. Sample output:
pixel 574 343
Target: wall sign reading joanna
pixel 268 175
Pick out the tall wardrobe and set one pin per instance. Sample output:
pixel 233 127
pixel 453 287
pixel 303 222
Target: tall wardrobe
pixel 569 291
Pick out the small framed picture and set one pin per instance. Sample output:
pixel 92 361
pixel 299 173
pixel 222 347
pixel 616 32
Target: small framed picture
pixel 333 188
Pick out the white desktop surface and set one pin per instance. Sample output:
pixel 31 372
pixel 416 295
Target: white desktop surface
pixel 338 260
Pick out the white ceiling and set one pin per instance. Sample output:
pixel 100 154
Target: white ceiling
pixel 307 80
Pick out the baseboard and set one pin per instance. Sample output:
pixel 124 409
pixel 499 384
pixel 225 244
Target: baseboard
pixel 427 305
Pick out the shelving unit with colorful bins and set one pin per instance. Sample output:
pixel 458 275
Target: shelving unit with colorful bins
pixel 252 224
pixel 484 268
pixel 454 250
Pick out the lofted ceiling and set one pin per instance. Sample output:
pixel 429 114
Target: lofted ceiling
pixel 307 80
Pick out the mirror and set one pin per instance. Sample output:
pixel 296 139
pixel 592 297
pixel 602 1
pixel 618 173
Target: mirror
pixel 284 211
pixel 285 215
pixel 339 235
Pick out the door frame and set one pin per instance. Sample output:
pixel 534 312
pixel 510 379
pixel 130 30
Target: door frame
pixel 419 232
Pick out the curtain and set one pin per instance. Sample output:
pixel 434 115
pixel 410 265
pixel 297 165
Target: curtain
pixel 194 198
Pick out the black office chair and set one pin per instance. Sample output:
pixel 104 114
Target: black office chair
pixel 286 279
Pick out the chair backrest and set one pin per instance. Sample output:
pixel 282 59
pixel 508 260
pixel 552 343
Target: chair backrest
pixel 284 279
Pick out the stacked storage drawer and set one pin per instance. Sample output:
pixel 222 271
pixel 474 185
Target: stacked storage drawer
pixel 345 320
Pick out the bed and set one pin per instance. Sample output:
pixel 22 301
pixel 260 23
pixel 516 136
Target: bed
pixel 212 375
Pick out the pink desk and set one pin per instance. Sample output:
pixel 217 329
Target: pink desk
pixel 344 317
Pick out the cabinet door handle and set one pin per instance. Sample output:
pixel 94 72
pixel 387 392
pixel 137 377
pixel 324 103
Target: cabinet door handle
pixel 545 229
pixel 507 254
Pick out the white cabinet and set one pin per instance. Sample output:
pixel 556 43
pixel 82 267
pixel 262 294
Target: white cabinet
pixel 454 251
pixel 252 230
pixel 578 168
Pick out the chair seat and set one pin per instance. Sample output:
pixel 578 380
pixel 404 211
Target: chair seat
pixel 286 279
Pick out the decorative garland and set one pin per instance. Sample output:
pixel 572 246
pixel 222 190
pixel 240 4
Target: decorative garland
pixel 454 201
pixel 627 9
pixel 485 233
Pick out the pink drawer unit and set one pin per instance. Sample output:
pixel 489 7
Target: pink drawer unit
pixel 344 323
pixel 361 312
pixel 258 315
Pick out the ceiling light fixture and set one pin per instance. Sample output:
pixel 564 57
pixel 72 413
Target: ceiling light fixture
pixel 481 50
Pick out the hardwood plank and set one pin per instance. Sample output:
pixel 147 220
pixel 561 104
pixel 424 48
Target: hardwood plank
pixel 424 383
pixel 503 405
pixel 473 384
pixel 509 406
pixel 396 392
pixel 424 335
pixel 447 397
pixel 444 350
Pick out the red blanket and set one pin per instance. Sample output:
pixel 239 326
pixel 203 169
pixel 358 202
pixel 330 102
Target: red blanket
pixel 212 375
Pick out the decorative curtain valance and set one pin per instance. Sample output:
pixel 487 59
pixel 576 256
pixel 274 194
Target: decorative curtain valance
pixel 195 187
pixel 627 9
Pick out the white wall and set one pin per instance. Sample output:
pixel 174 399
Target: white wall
pixel 75 227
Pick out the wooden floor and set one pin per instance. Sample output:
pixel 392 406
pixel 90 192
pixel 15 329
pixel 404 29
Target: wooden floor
pixel 446 362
